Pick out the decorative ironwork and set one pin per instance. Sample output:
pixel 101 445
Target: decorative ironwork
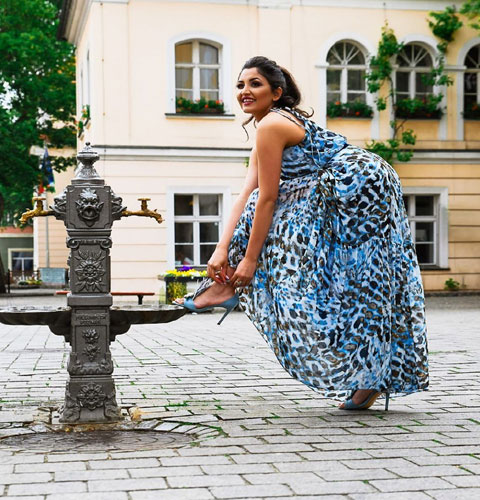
pixel 90 271
pixel 60 205
pixel 117 207
pixel 90 335
pixel 89 206
pixel 91 396
pixel 71 409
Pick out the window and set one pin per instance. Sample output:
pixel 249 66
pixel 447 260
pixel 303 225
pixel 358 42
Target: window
pixel 21 260
pixel 471 85
pixel 346 73
pixel 414 62
pixel 423 214
pixel 197 220
pixel 197 70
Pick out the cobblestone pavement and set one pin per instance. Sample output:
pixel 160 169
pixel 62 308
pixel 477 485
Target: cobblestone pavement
pixel 273 437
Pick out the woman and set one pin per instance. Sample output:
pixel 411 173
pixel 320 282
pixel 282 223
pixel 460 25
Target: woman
pixel 318 251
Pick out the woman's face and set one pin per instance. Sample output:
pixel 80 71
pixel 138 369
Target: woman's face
pixel 254 93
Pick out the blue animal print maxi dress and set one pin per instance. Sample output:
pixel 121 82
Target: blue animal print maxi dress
pixel 337 293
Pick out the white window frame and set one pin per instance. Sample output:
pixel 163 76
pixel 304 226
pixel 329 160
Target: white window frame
pixel 462 54
pixel 344 68
pixel 441 222
pixel 367 48
pixel 430 44
pixel 224 210
pixel 10 257
pixel 225 71
pixel 414 70
pixel 196 66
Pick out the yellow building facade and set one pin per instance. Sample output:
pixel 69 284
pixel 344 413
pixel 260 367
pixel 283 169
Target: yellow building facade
pixel 135 57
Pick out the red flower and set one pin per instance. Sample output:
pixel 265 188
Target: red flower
pixel 218 102
pixel 206 106
pixel 357 113
pixel 337 103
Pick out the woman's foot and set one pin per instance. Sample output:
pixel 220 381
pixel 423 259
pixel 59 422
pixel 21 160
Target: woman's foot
pixel 216 294
pixel 360 396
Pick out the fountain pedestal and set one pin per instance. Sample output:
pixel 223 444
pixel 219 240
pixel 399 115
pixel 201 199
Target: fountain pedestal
pixel 89 207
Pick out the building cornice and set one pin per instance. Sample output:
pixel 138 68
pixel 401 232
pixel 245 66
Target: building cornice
pixel 426 5
pixel 238 155
pixel 446 156
pixel 73 16
pixel 172 153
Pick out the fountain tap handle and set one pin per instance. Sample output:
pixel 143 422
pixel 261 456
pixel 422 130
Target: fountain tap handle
pixel 38 210
pixel 144 203
pixel 38 202
pixel 144 211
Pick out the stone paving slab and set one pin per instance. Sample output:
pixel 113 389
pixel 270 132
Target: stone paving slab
pixel 275 438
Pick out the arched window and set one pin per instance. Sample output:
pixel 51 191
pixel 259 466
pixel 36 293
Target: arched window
pixel 414 62
pixel 471 87
pixel 346 73
pixel 197 70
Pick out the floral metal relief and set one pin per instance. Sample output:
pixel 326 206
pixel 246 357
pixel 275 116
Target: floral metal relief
pixel 91 396
pixel 90 271
pixel 89 206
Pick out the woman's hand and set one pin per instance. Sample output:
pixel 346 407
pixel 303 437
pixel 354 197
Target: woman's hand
pixel 217 266
pixel 244 273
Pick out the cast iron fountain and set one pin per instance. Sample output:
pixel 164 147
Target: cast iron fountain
pixel 89 323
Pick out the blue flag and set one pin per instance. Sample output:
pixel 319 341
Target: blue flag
pixel 47 181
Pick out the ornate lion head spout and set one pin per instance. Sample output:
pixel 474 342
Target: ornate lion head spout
pixel 89 206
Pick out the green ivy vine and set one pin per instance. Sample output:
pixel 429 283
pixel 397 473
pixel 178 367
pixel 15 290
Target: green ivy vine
pixel 443 25
pixel 471 9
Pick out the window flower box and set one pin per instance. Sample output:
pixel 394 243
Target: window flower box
pixel 200 106
pixel 472 113
pixel 419 109
pixel 355 109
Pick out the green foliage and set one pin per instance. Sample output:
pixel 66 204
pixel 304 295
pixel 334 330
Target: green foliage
pixel 471 9
pixel 355 109
pixel 200 106
pixel 381 64
pixel 444 26
pixel 419 108
pixel 37 96
pixel 176 290
pixel 452 285
pixel 379 75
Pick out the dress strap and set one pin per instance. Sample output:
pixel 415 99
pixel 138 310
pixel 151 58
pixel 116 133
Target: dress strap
pixel 284 113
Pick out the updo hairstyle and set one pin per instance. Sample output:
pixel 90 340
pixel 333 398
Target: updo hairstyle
pixel 277 76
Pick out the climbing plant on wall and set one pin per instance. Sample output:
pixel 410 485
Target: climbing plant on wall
pixel 398 148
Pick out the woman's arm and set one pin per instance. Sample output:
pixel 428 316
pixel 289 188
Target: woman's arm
pixel 272 136
pixel 251 183
pixel 219 260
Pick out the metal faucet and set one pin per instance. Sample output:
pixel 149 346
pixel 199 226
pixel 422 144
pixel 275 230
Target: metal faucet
pixel 144 211
pixel 38 211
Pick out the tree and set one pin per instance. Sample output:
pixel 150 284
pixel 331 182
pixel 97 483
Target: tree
pixel 37 97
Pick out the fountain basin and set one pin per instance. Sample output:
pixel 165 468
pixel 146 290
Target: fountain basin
pixel 58 319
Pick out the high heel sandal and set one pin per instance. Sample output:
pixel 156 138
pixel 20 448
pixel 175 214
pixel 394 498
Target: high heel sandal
pixel 369 400
pixel 228 305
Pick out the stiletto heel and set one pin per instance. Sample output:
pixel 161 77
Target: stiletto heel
pixel 228 304
pixel 369 400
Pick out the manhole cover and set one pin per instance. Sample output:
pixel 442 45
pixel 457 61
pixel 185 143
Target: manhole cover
pixel 97 441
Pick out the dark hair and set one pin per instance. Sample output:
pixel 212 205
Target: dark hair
pixel 277 76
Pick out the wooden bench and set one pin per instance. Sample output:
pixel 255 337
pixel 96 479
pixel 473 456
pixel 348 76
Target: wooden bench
pixel 140 295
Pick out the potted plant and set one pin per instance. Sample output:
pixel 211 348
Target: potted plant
pixel 176 281
pixel 354 109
